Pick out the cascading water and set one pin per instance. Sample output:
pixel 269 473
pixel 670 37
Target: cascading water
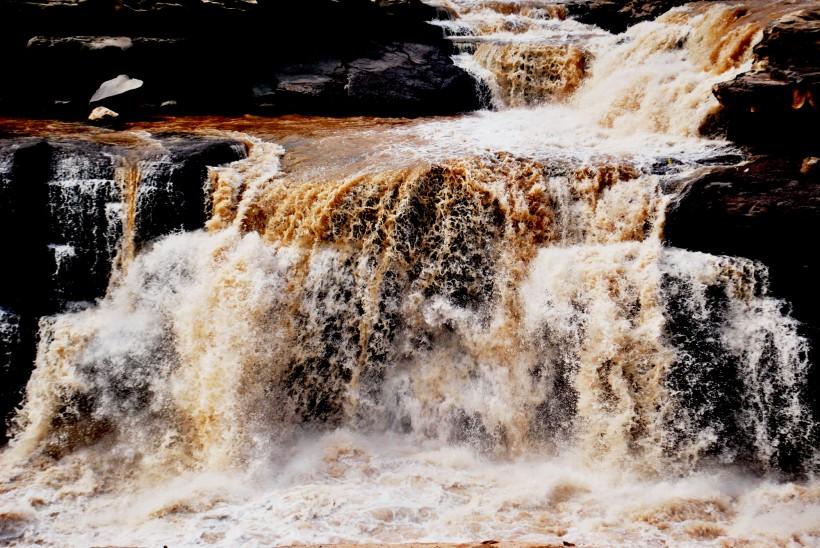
pixel 475 332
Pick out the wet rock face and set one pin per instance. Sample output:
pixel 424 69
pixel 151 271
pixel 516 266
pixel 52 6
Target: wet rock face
pixel 62 52
pixel 767 210
pixel 24 172
pixel 25 271
pixel 618 15
pixel 777 105
pixel 172 194
pixel 63 210
pixel 14 357
pixel 396 78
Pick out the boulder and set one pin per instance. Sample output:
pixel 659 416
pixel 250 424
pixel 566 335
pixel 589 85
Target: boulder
pixel 411 10
pixel 315 85
pixel 618 15
pixel 116 86
pixel 70 69
pixel 409 78
pixel 102 115
pixel 398 78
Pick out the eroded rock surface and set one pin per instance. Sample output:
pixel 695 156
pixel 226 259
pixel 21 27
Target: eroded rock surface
pixel 777 104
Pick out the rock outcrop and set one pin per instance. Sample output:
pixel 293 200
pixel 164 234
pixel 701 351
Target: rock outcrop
pixel 331 56
pixel 777 104
pixel 394 78
pixel 62 215
pixel 767 210
pixel 618 15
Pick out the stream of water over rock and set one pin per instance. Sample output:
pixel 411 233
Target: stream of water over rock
pixel 448 329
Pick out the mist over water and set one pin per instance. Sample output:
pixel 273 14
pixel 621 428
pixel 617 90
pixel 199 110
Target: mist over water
pixel 469 329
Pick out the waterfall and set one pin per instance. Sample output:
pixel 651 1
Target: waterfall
pixel 657 76
pixel 476 330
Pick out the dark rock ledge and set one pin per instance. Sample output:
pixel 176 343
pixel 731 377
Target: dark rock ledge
pixel 618 15
pixel 230 56
pixel 767 210
pixel 776 106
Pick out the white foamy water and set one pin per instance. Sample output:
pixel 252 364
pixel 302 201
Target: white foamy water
pixel 345 487
pixel 468 330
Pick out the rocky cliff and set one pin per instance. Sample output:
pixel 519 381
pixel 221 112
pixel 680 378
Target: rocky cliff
pixel 768 210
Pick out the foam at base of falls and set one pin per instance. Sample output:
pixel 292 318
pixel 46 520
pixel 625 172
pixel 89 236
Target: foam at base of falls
pixel 346 487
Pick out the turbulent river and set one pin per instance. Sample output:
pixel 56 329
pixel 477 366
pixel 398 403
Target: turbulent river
pixel 440 330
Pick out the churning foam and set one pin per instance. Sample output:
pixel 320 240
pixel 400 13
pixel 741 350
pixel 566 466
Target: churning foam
pixel 491 318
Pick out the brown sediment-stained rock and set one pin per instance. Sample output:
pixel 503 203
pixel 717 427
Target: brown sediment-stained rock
pixel 810 165
pixel 777 104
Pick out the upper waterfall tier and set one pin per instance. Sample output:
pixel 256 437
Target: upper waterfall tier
pixel 533 55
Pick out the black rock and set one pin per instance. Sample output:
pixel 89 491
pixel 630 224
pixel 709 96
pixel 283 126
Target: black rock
pixel 239 56
pixel 409 78
pixel 397 78
pixel 777 105
pixel 25 274
pixel 172 195
pixel 16 357
pixel 618 15
pixel 767 210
